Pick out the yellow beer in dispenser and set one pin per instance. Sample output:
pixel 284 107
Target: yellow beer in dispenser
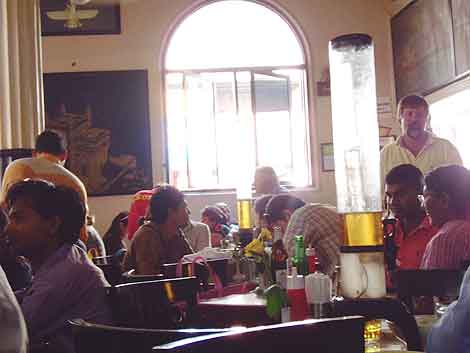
pixel 245 216
pixel 363 229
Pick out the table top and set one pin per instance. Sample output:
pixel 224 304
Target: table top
pixel 247 299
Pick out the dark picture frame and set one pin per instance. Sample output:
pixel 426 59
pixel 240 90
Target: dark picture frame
pixel 327 157
pixel 105 118
pixel 423 47
pixel 106 21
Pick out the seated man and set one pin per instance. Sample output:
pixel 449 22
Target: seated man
pixel 267 182
pixel 446 198
pixel 45 222
pixel 160 239
pixel 413 230
pixel 321 226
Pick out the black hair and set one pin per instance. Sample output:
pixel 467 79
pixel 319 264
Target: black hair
pixel 215 214
pixel 406 174
pixel 164 198
pixel 50 141
pixel 280 203
pixel 454 181
pixel 51 201
pixel 260 204
pixel 114 228
pixel 411 101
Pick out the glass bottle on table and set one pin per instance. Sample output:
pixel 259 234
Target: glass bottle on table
pixel 278 258
pixel 300 260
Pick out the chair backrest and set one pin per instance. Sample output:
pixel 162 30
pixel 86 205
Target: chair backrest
pixel 336 335
pixel 9 155
pixel 130 276
pixel 167 303
pixel 92 338
pixel 427 283
pixel 219 266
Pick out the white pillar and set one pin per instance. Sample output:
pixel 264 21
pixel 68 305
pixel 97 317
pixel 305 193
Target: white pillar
pixel 21 89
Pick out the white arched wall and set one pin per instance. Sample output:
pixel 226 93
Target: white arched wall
pixel 146 26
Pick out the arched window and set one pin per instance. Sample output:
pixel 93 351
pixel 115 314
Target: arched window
pixel 235 84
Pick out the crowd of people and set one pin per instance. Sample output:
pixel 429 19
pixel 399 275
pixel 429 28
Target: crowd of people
pixel 48 238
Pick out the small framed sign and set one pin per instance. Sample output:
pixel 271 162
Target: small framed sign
pixel 327 157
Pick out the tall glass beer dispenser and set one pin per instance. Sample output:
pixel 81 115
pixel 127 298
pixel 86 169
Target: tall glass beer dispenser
pixel 357 164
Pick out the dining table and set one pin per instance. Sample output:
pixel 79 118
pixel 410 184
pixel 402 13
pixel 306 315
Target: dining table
pixel 249 310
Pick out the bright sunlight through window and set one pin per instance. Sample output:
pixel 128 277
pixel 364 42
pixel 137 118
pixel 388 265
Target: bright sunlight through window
pixel 449 120
pixel 235 84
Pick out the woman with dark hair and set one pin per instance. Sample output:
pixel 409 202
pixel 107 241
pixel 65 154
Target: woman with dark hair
pixel 217 221
pixel 116 233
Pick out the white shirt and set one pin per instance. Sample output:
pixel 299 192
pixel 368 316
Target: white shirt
pixel 13 333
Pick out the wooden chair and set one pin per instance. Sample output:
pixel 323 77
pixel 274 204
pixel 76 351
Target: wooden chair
pixel 427 283
pixel 9 155
pixel 336 335
pixel 167 303
pixel 111 266
pixel 92 338
pixel 130 277
pixel 218 266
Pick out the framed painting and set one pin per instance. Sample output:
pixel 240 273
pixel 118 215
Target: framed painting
pixel 423 47
pixel 105 118
pixel 461 28
pixel 78 17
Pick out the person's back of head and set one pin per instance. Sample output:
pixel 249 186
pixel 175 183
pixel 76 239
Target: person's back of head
pixel 277 205
pixel 50 201
pixel 266 181
pixel 51 142
pixel 406 174
pixel 452 183
pixel 164 199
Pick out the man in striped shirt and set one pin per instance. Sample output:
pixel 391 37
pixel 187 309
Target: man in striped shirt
pixel 321 226
pixel 446 199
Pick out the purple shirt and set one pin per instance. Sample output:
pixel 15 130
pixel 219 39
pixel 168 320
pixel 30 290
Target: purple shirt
pixel 449 247
pixel 67 286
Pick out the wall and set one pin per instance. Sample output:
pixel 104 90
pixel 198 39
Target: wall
pixel 145 25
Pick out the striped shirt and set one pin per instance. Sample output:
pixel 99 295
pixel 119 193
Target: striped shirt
pixel 322 228
pixel 449 247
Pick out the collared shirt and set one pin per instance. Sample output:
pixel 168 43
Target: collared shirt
pixel 450 333
pixel 412 246
pixel 198 235
pixel 435 153
pixel 46 167
pixel 322 228
pixel 449 247
pixel 152 248
pixel 13 334
pixel 67 286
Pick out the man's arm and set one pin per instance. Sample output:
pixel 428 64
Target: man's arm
pixel 449 333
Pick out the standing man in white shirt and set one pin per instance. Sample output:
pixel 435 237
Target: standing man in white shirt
pixel 417 146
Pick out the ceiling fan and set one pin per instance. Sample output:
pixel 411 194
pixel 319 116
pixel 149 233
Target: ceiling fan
pixel 71 15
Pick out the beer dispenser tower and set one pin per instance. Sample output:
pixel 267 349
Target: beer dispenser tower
pixel 357 165
pixel 358 187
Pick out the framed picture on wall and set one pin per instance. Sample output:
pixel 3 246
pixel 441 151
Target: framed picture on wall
pixel 79 17
pixel 327 157
pixel 105 118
